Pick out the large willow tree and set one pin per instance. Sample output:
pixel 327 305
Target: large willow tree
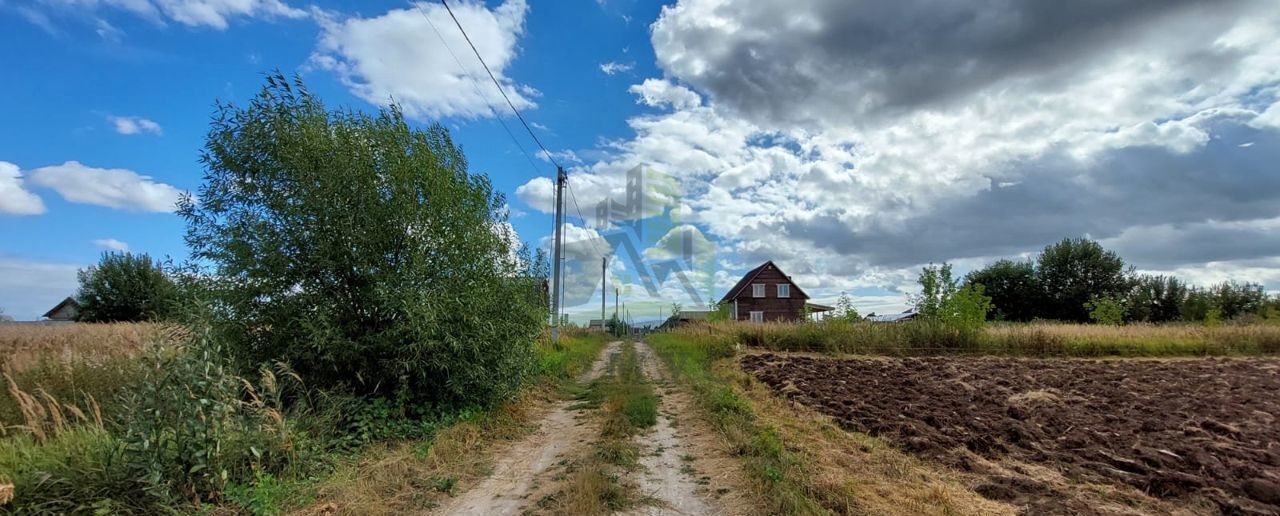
pixel 362 252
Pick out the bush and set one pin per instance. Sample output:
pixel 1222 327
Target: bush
pixel 125 287
pixel 1106 310
pixel 193 425
pixel 363 253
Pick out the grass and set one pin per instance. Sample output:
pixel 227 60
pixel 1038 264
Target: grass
pixel 799 462
pixel 629 405
pixel 1035 339
pixel 26 345
pixel 62 449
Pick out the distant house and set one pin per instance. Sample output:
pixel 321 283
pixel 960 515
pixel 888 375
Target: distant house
pixel 64 311
pixel 908 315
pixel 684 317
pixel 765 293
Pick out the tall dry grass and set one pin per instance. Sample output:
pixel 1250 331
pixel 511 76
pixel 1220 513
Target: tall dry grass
pixel 25 345
pixel 1034 339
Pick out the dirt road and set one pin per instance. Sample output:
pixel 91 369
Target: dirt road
pixel 519 466
pixel 669 479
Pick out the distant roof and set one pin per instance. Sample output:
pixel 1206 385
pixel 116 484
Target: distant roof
pixel 909 314
pixel 65 302
pixel 694 315
pixel 815 307
pixel 751 275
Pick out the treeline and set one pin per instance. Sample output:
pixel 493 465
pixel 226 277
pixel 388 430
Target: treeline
pixel 1079 280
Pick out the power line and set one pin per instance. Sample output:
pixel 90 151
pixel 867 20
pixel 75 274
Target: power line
pixel 574 198
pixel 476 86
pixel 499 85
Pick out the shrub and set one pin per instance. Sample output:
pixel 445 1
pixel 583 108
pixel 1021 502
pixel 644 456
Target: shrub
pixel 125 287
pixel 192 425
pixel 362 252
pixel 1106 310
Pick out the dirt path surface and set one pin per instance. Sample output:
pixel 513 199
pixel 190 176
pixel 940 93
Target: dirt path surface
pixel 1199 435
pixel 682 470
pixel 519 467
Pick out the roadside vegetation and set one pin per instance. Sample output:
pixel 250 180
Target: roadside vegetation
pixel 355 292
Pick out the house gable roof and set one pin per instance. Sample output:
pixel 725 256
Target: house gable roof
pixel 751 276
pixel 65 302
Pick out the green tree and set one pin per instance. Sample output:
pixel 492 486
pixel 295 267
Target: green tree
pixel 966 308
pixel 125 287
pixel 943 298
pixel 1236 299
pixel 1156 298
pixel 720 312
pixel 1106 310
pixel 1013 287
pixel 936 285
pixel 845 309
pixel 1195 306
pixel 362 252
pixel 1073 272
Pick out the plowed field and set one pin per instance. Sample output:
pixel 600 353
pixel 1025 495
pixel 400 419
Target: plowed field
pixel 1200 431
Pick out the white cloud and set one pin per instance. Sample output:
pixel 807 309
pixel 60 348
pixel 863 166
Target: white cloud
pixel 539 193
pixel 193 13
pixel 111 244
pixel 110 187
pixel 612 67
pixel 134 125
pixel 14 198
pixel 825 150
pixel 659 93
pixel 399 55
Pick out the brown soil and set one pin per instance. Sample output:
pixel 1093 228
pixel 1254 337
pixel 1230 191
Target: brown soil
pixel 1184 431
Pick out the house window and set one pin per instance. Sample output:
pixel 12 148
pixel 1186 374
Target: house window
pixel 784 290
pixel 757 290
pixel 757 316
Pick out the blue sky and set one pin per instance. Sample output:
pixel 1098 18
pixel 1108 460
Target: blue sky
pixel 851 144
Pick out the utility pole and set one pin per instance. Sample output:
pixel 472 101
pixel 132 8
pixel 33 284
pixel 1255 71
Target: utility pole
pixel 615 301
pixel 557 288
pixel 604 287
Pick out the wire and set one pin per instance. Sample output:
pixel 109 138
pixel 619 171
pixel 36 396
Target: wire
pixel 499 85
pixel 574 198
pixel 475 84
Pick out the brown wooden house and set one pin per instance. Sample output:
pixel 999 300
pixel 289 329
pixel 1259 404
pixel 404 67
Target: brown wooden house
pixel 765 293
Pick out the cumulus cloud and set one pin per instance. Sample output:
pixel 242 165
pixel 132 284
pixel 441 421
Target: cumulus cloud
pixel 111 187
pixel 193 13
pixel 539 193
pixel 852 142
pixel 134 125
pixel 14 197
pixel 111 244
pixel 399 55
